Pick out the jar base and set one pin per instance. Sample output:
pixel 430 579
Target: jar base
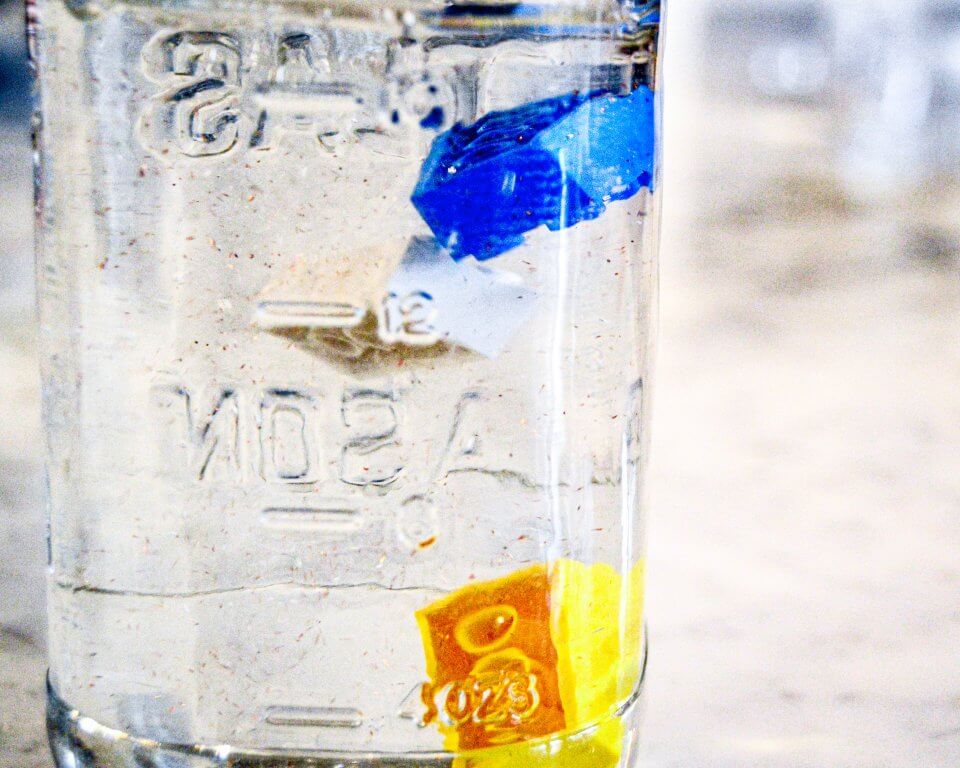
pixel 78 741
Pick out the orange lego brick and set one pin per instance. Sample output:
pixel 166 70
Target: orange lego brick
pixel 529 669
pixel 492 663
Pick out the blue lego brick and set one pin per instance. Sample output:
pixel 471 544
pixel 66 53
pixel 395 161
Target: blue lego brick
pixel 554 162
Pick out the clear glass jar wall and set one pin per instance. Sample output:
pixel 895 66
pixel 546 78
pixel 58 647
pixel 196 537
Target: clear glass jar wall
pixel 347 314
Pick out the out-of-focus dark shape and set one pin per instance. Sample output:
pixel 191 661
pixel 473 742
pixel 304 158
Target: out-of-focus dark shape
pixel 14 72
pixel 764 50
pixel 899 93
pixel 885 74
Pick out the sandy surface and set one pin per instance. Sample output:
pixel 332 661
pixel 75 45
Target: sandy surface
pixel 804 577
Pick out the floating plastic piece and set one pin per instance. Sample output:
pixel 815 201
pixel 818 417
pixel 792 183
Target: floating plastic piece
pixel 464 304
pixel 529 669
pixel 555 162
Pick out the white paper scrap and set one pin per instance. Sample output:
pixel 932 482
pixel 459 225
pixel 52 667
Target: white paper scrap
pixel 472 306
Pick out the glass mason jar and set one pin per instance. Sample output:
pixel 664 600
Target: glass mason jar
pixel 347 312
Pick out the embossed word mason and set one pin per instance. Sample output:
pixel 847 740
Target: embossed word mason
pixel 278 433
pixel 292 436
pixel 223 92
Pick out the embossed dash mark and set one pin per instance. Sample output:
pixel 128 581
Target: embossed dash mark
pixel 335 519
pixel 315 717
pixel 307 314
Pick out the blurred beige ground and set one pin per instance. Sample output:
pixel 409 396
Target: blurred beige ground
pixel 22 553
pixel 804 581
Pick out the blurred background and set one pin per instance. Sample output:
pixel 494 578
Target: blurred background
pixel 804 579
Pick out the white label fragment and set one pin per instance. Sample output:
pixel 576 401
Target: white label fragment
pixel 472 306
